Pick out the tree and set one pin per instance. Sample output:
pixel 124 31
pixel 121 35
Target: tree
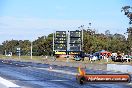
pixel 1 49
pixel 43 45
pixel 92 42
pixel 107 33
pixel 127 12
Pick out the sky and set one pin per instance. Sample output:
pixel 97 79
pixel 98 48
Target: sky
pixel 30 19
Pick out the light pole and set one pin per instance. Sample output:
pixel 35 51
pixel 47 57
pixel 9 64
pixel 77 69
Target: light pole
pixel 53 45
pixel 126 39
pixel 81 45
pixel 31 49
pixel 19 53
pixel 82 36
pixel 5 53
pixel 54 36
pixel 68 45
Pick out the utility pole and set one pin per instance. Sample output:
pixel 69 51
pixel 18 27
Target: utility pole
pixel 31 49
pixel 5 53
pixel 54 34
pixel 68 46
pixel 82 35
pixel 81 45
pixel 19 54
pixel 53 41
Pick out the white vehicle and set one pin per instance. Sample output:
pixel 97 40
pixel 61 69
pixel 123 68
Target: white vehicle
pixel 9 54
pixel 126 58
pixel 94 58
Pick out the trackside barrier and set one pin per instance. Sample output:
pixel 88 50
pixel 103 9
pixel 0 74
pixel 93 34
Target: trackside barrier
pixel 121 68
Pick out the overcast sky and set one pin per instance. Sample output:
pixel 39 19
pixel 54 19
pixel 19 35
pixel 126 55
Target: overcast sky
pixel 29 19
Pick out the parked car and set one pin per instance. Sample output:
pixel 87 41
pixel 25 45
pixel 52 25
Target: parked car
pixel 126 58
pixel 94 58
pixel 97 54
pixel 77 58
pixel 130 56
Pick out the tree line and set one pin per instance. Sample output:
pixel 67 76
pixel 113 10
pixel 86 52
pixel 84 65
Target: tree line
pixel 93 42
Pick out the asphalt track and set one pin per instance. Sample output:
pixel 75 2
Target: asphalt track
pixel 37 75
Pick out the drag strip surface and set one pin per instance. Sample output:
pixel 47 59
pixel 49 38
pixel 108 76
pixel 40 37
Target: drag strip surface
pixel 37 75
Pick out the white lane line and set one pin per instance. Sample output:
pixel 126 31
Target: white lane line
pixel 59 71
pixel 8 83
pixel 129 83
pixel 22 65
pixel 58 80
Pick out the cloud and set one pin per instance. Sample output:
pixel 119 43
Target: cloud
pixel 31 28
pixel 18 24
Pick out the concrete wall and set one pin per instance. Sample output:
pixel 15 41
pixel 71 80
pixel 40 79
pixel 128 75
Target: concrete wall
pixel 121 68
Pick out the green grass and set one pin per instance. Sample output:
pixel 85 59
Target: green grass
pixel 40 58
pixel 23 57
